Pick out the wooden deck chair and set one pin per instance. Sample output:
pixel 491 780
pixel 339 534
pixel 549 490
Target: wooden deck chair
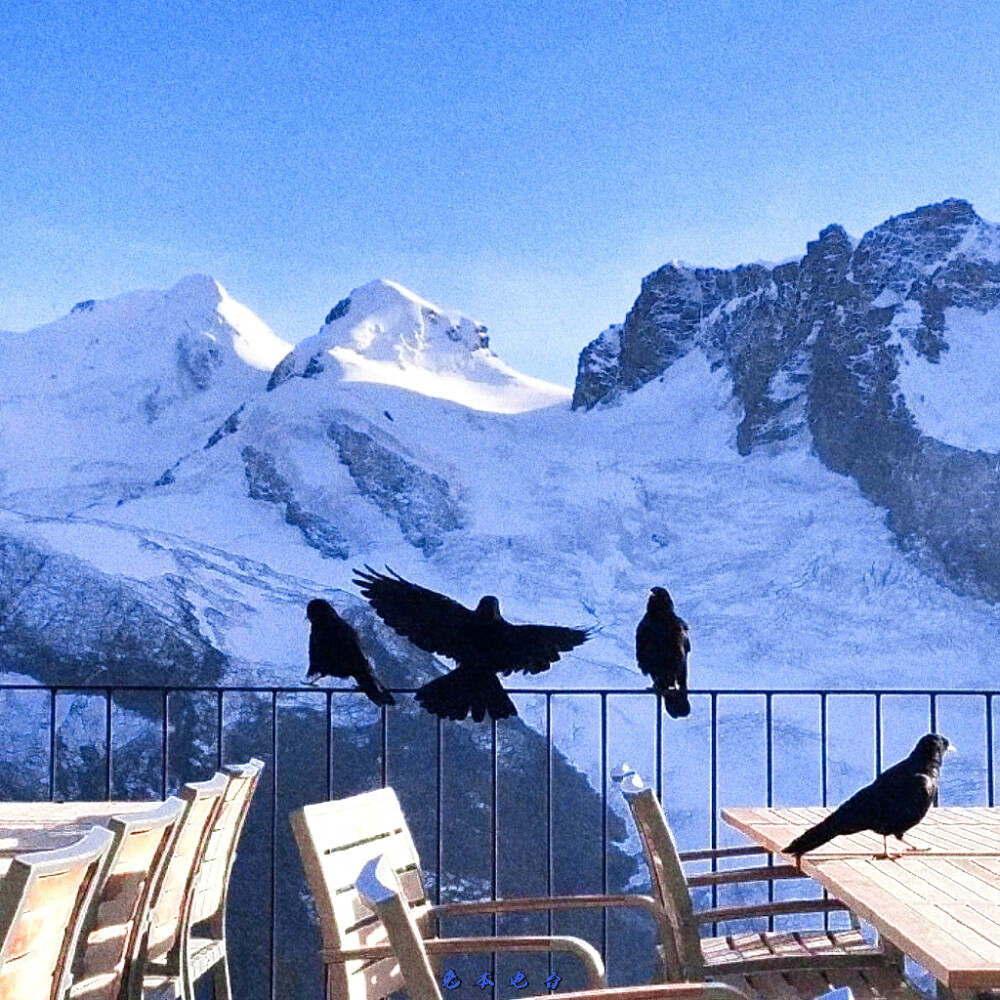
pixel 379 892
pixel 765 963
pixel 44 898
pixel 160 957
pixel 203 947
pixel 335 839
pixel 116 919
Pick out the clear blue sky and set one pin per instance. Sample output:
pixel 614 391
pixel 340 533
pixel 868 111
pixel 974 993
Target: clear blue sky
pixel 526 163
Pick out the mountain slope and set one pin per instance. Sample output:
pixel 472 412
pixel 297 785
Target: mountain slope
pixel 877 354
pixel 787 574
pixel 115 391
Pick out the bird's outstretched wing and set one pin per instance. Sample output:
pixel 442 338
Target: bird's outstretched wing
pixel 530 649
pixel 430 620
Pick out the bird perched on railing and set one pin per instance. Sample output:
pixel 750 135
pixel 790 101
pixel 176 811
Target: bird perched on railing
pixel 334 651
pixel 662 645
pixel 896 801
pixel 481 642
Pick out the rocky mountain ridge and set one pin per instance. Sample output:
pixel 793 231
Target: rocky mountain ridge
pixel 819 351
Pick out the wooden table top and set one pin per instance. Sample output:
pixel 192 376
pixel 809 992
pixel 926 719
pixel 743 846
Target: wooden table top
pixel 940 905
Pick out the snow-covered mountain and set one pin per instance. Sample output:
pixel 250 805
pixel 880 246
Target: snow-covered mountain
pixel 176 483
pixel 880 355
pixel 94 405
pixel 395 436
pixel 385 334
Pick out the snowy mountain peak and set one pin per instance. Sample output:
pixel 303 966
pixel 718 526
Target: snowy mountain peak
pixel 130 383
pixel 385 333
pixel 385 322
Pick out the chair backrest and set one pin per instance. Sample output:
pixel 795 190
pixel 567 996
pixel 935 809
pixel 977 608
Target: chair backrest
pixel 335 840
pixel 43 901
pixel 172 896
pixel 118 911
pixel 216 865
pixel 379 890
pixel 669 883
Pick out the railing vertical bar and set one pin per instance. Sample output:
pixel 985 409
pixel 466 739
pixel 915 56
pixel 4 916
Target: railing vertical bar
pixel 824 766
pixel 494 831
pixel 164 760
pixel 714 723
pixel 989 750
pixel 274 832
pixel 329 745
pixel 934 715
pixel 823 737
pixel 440 811
pixel 878 733
pixel 658 708
pixel 769 737
pixel 52 746
pixel 548 809
pixel 218 726
pixel 604 823
pixel 384 764
pixel 108 763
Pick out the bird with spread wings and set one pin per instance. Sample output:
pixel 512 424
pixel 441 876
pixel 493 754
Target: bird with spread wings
pixel 481 642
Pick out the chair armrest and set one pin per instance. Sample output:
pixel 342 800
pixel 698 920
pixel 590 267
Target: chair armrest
pixel 589 957
pixel 768 909
pixel 708 853
pixel 541 904
pixel 658 991
pixel 735 875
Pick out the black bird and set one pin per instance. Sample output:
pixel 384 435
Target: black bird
pixel 334 651
pixel 662 645
pixel 481 642
pixel 895 801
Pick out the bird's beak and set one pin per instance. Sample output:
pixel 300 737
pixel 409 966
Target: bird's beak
pixel 951 748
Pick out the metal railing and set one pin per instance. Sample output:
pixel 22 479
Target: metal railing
pixel 519 807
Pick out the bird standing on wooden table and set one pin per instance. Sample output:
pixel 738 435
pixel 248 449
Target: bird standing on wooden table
pixel 896 801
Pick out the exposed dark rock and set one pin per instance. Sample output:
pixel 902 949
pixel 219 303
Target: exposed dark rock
pixel 64 622
pixel 230 426
pixel 265 482
pixel 197 360
pixel 813 349
pixel 421 502
pixel 342 308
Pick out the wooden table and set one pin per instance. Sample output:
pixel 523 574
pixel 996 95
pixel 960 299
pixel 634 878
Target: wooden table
pixel 41 826
pixel 940 906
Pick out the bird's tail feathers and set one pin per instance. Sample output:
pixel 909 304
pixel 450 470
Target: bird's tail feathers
pixel 460 692
pixel 814 837
pixel 675 701
pixel 370 685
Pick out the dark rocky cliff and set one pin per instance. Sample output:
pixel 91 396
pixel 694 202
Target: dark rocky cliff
pixel 813 349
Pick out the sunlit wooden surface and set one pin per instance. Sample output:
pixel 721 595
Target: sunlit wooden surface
pixel 940 905
pixel 42 826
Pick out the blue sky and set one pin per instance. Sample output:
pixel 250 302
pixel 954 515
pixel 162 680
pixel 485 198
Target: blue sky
pixel 525 163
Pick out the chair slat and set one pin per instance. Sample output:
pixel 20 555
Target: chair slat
pixel 44 900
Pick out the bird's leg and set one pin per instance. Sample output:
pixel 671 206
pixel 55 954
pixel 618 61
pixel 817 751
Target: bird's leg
pixel 907 846
pixel 312 680
pixel 885 848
